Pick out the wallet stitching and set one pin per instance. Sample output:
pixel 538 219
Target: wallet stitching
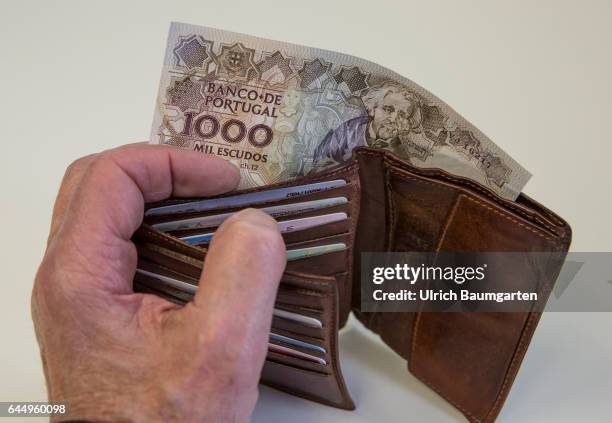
pixel 354 213
pixel 188 249
pixel 333 333
pixel 309 292
pixel 518 222
pixel 392 161
pixel 469 184
pixel 393 218
pixel 496 211
pixel 172 254
pixel 372 318
pixel 449 220
pixel 536 231
pixel 399 172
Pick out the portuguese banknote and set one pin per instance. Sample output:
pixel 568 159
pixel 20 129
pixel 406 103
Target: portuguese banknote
pixel 279 111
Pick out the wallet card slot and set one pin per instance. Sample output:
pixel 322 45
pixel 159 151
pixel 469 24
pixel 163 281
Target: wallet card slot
pixel 170 259
pixel 299 349
pixel 147 235
pixel 328 210
pixel 297 290
pixel 301 298
pixel 317 347
pixel 346 191
pixel 160 269
pixel 324 264
pixel 306 227
pixel 145 287
pixel 318 292
pixel 315 327
pixel 144 279
pixel 298 329
pixel 147 276
pixel 332 239
pixel 296 363
pixel 306 310
pixel 318 232
pixel 344 172
pixel 319 343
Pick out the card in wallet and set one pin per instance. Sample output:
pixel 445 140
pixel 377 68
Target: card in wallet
pixel 469 359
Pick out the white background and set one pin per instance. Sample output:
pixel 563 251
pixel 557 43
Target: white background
pixel 80 77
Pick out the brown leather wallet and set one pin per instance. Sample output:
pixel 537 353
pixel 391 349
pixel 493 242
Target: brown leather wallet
pixel 470 359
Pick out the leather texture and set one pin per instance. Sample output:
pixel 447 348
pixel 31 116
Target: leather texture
pixel 470 359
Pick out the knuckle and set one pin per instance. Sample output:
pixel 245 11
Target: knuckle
pixel 100 167
pixel 43 276
pixel 79 165
pixel 100 162
pixel 45 289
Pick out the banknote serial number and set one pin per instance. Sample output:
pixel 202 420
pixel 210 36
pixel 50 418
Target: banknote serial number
pixel 8 409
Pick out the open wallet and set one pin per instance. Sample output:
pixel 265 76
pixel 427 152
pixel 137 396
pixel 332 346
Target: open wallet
pixel 469 359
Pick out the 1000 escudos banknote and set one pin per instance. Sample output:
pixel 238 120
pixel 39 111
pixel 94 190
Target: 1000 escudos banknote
pixel 279 111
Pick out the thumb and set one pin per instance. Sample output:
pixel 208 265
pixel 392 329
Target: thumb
pixel 238 286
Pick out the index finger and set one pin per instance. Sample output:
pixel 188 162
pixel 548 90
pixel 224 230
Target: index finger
pixel 70 182
pixel 111 195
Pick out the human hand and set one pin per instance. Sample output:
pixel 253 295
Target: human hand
pixel 115 355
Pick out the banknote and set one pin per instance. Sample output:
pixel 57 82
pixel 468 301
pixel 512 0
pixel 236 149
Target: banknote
pixel 280 111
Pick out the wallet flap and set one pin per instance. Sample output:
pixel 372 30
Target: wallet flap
pixel 470 359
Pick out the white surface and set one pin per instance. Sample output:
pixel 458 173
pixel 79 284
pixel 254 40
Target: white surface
pixel 80 77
